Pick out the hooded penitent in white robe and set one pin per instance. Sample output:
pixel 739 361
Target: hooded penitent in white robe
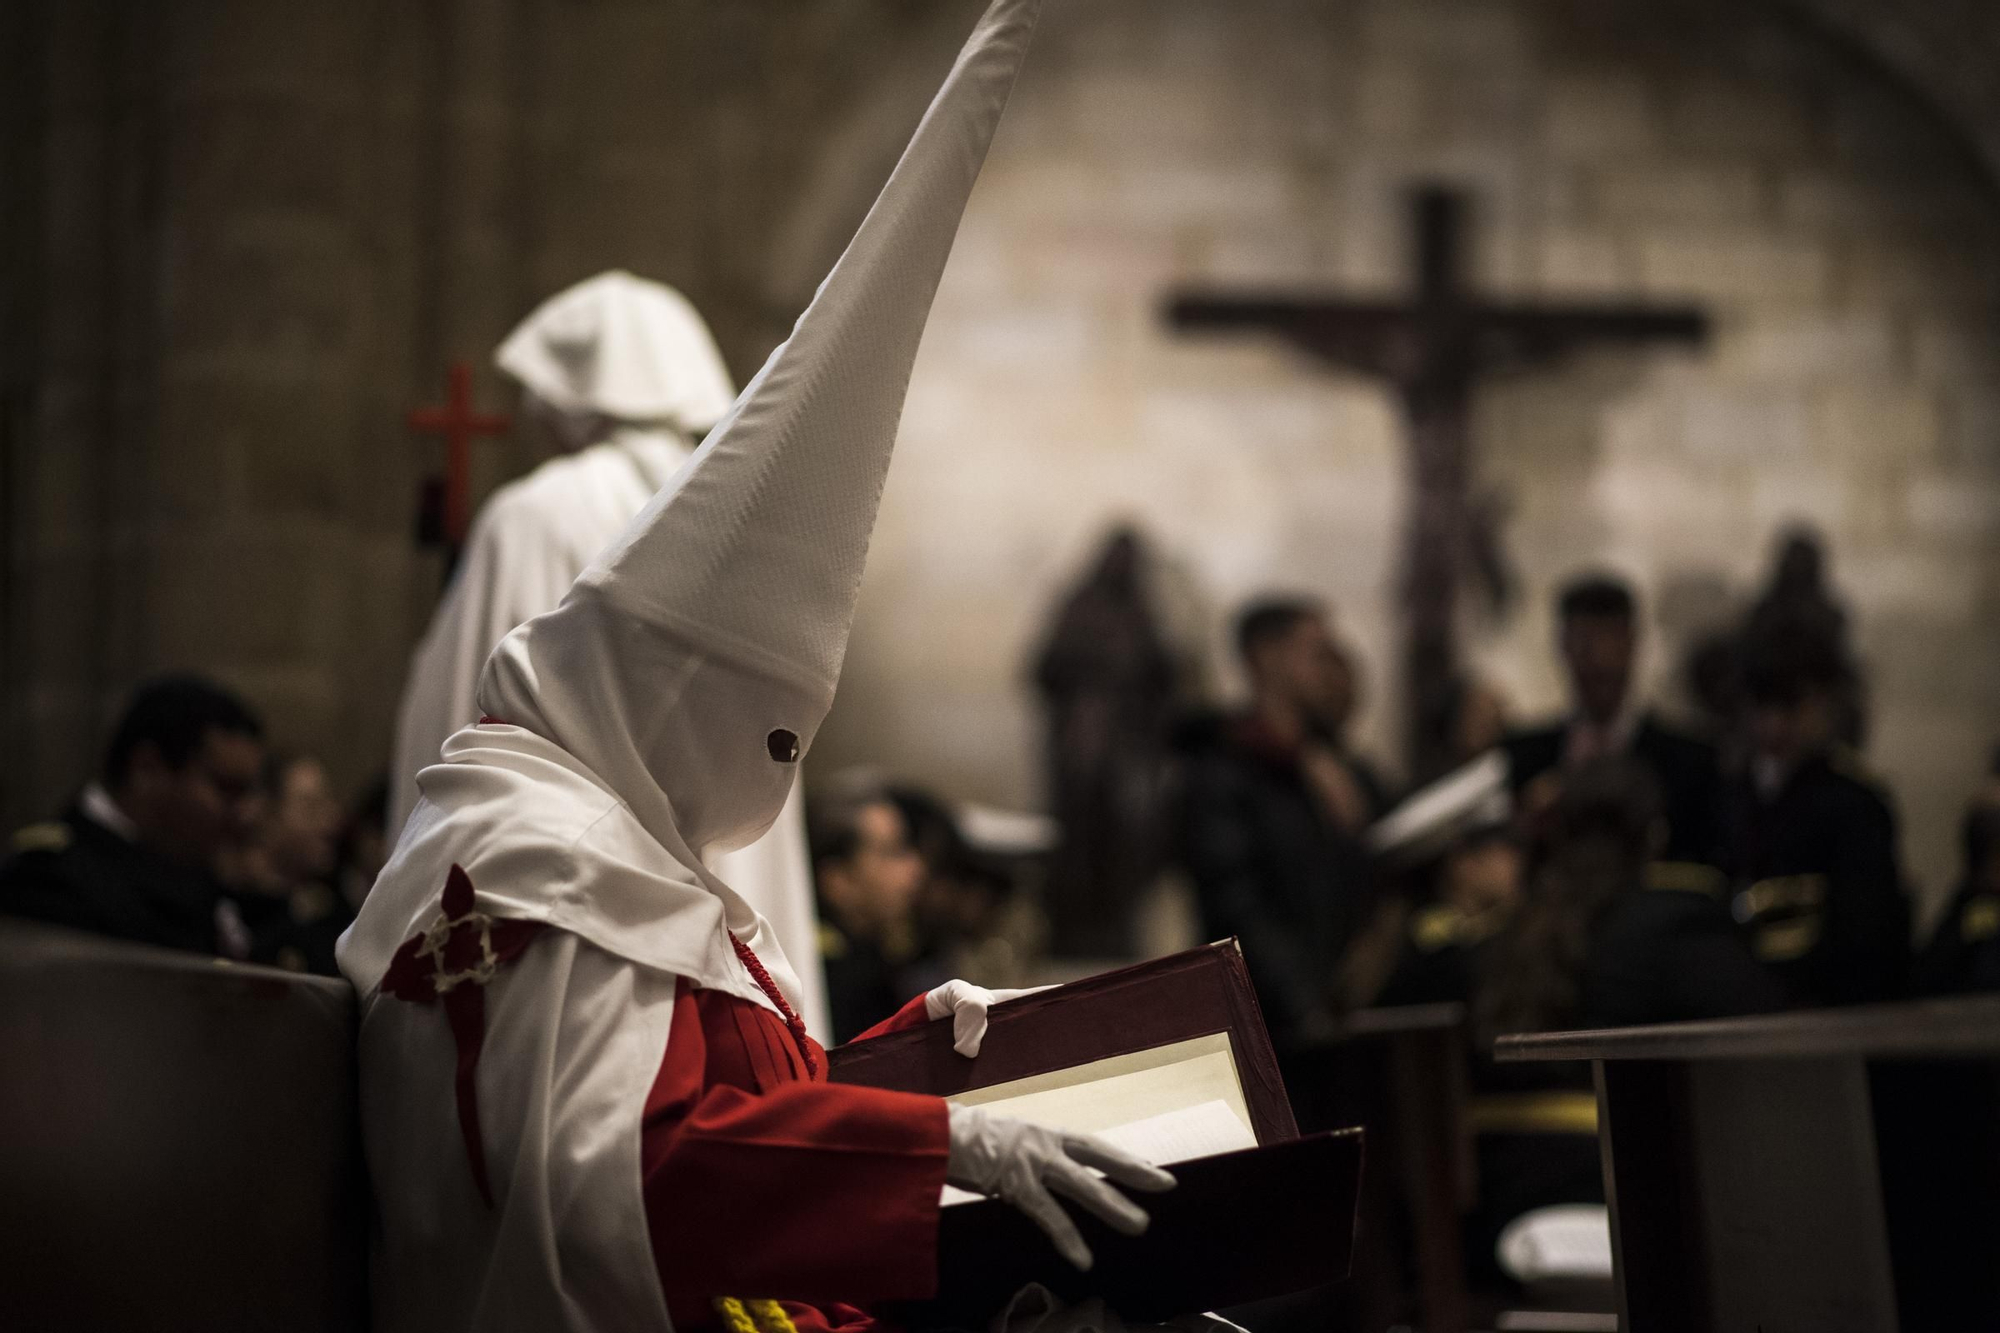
pixel 629 363
pixel 586 1098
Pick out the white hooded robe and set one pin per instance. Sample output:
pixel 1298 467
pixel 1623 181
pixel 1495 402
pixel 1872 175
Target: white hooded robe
pixel 660 708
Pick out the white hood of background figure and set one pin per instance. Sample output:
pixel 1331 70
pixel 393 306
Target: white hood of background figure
pixel 621 347
pixel 664 705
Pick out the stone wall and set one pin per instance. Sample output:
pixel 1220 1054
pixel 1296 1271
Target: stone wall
pixel 263 231
pixel 223 313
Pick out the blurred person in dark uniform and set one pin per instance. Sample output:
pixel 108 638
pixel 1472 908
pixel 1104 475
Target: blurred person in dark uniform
pixel 1810 843
pixel 1599 638
pixel 135 857
pixel 1274 808
pixel 1454 847
pixel 283 878
pixel 1605 938
pixel 976 915
pixel 1964 951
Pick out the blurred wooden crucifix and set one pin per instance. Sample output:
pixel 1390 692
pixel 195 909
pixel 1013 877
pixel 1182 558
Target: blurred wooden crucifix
pixel 1433 349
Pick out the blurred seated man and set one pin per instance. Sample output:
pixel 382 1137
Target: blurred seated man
pixel 283 878
pixel 1274 811
pixel 867 875
pixel 135 856
pixel 971 918
pixel 1964 952
pixel 1599 637
pixel 1809 844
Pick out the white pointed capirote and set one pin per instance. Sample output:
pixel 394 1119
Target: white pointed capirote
pixel 663 706
pixel 691 665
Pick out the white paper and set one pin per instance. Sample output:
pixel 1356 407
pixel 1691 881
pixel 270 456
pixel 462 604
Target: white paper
pixel 1182 1136
pixel 1103 1094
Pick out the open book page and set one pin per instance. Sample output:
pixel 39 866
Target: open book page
pixel 1182 1136
pixel 1092 1097
pixel 1168 1104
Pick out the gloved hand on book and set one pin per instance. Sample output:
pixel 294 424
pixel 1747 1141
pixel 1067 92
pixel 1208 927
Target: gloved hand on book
pixel 966 1005
pixel 1028 1165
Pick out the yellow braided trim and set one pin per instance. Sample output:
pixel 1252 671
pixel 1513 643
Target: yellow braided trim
pixel 734 1317
pixel 771 1317
pixel 753 1316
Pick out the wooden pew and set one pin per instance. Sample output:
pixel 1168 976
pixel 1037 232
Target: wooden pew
pixel 178 1142
pixel 1401 1074
pixel 1826 1171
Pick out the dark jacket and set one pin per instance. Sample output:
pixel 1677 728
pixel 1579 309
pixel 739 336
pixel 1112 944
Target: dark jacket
pixel 1964 952
pixel 1814 875
pixel 1686 769
pixel 1664 955
pixel 76 872
pixel 1270 867
pixel 1440 959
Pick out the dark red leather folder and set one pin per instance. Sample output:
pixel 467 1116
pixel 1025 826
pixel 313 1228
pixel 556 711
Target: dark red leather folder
pixel 1237 1227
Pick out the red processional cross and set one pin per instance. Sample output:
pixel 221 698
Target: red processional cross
pixel 459 425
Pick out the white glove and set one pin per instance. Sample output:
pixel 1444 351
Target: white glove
pixel 967 1004
pixel 1028 1165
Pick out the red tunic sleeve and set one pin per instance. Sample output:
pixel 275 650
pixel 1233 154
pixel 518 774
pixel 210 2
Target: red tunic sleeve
pixel 762 1185
pixel 911 1015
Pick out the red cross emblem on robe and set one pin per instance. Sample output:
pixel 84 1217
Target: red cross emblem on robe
pixel 450 963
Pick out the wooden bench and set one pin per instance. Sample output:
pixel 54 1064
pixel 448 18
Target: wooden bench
pixel 179 1146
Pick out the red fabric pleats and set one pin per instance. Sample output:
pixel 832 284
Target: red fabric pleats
pixel 763 1181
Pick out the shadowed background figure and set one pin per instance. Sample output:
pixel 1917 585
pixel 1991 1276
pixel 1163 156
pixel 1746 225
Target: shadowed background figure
pixel 1108 681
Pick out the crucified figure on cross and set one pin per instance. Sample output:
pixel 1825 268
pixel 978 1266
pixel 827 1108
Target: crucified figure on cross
pixel 1432 349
